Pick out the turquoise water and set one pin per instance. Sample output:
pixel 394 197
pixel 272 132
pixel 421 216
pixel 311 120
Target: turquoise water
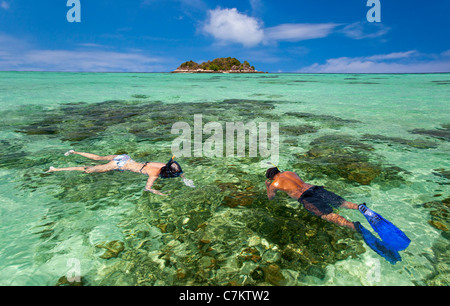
pixel 379 139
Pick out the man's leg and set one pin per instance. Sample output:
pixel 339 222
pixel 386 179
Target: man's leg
pixel 339 220
pixel 349 205
pixel 91 156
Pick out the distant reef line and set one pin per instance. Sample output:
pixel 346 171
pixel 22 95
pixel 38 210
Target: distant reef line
pixel 218 65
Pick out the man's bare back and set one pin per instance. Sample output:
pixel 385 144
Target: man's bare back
pixel 288 182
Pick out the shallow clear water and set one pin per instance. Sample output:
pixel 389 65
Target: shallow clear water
pixel 379 139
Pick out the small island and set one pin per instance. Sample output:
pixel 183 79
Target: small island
pixel 218 65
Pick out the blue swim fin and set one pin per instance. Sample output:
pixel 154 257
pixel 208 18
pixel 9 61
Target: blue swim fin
pixel 388 232
pixel 382 249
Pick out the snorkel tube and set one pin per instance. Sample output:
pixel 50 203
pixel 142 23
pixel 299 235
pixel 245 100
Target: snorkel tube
pixel 167 172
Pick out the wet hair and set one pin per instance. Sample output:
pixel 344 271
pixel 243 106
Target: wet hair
pixel 170 170
pixel 271 172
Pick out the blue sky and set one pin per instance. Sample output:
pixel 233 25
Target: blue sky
pixel 320 36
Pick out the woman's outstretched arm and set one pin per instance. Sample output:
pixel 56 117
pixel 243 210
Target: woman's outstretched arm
pixel 148 186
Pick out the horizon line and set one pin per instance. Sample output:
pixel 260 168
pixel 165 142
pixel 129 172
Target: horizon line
pixel 259 72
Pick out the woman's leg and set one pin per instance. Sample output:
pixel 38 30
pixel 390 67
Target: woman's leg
pixel 91 156
pixel 94 169
pixel 53 169
pixel 102 168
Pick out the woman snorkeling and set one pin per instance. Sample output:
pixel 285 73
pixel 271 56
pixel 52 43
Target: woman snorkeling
pixel 124 163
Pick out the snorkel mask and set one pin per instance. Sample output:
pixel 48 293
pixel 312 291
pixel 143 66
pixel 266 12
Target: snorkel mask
pixel 171 170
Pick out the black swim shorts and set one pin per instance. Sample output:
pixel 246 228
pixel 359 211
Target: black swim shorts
pixel 320 201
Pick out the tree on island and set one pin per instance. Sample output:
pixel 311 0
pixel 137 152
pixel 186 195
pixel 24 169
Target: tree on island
pixel 218 64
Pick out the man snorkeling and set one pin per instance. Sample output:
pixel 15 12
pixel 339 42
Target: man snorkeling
pixel 124 163
pixel 316 199
pixel 321 202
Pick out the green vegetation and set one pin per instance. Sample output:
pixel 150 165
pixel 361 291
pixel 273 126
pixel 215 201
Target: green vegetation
pixel 218 64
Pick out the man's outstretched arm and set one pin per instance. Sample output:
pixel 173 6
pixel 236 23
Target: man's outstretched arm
pixel 271 191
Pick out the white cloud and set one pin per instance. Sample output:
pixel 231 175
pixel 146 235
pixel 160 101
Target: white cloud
pixel 10 42
pixel 16 54
pixel 230 26
pixel 446 53
pixel 95 61
pixel 397 62
pixel 92 45
pixel 4 5
pixel 362 30
pixel 394 55
pixel 299 31
pixel 257 6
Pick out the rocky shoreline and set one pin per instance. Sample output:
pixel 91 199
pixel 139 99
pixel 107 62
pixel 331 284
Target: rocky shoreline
pixel 178 70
